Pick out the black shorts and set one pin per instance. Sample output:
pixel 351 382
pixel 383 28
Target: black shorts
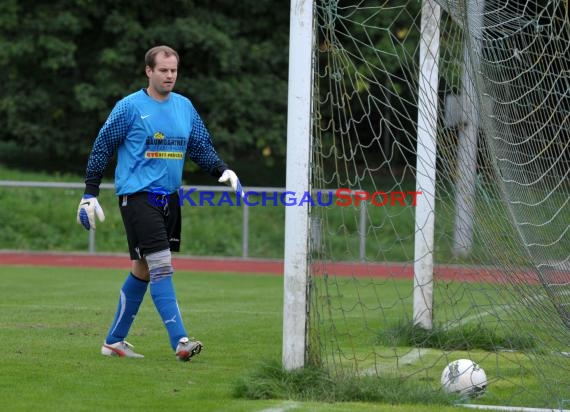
pixel 152 222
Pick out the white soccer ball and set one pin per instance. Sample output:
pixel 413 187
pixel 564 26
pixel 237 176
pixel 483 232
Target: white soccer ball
pixel 464 377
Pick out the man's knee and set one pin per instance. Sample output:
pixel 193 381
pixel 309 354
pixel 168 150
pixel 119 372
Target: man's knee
pixel 139 269
pixel 159 265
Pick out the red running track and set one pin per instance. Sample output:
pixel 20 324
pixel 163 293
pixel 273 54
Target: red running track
pixel 118 261
pixel 262 266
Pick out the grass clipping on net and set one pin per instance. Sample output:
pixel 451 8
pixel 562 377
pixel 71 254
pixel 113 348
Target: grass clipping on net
pixel 271 381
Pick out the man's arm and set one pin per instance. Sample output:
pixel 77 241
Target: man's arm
pixel 201 149
pixel 110 136
pixel 112 133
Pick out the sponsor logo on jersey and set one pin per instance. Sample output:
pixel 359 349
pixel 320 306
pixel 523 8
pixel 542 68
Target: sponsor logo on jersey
pixel 163 155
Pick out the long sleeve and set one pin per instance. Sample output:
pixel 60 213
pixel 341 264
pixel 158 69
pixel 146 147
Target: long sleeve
pixel 110 136
pixel 201 149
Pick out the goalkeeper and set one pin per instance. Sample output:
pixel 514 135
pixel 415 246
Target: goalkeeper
pixel 152 131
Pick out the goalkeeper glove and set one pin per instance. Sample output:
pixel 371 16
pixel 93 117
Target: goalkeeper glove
pixel 88 208
pixel 229 177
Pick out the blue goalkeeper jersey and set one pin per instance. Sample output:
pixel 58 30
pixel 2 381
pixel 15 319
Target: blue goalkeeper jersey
pixel 152 140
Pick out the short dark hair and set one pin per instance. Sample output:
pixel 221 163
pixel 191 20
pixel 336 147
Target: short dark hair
pixel 150 56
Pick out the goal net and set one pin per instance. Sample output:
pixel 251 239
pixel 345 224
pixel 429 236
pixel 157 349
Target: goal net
pixel 440 148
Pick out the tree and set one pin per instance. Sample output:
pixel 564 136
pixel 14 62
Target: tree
pixel 66 63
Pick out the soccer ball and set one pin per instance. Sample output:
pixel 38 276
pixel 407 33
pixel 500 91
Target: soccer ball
pixel 464 377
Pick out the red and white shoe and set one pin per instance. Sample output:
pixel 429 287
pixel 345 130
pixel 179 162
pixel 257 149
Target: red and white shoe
pixel 187 348
pixel 121 349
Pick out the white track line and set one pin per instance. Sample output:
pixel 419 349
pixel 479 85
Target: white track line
pixel 413 355
pixel 511 408
pixel 286 406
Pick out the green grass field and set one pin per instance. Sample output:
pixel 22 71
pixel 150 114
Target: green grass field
pixel 53 321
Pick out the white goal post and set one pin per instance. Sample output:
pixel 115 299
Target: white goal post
pixel 297 181
pixel 476 265
pixel 299 129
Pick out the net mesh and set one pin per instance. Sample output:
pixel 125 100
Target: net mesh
pixel 501 250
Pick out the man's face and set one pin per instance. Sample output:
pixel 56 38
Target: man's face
pixel 162 77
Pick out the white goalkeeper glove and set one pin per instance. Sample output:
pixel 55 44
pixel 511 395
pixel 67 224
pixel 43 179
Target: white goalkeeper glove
pixel 88 208
pixel 230 178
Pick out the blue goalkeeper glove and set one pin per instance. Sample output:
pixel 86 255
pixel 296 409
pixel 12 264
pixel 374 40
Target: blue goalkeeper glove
pixel 88 208
pixel 229 177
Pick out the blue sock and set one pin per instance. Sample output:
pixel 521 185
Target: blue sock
pixel 164 298
pixel 131 296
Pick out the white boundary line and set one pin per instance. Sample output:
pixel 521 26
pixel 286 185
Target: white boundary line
pixel 286 406
pixel 409 358
pixel 511 408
